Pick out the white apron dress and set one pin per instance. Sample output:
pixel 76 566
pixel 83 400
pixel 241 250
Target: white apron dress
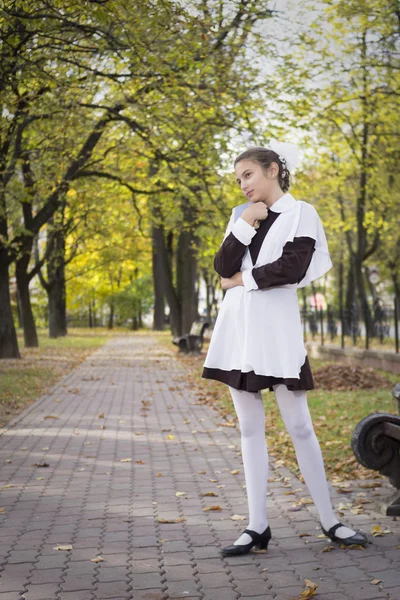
pixel 260 329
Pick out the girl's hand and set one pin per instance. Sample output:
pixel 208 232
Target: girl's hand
pixel 258 211
pixel 230 282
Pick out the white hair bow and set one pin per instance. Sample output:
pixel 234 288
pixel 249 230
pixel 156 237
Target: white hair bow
pixel 288 151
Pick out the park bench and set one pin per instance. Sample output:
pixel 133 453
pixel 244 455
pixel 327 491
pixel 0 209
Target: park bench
pixel 192 341
pixel 376 445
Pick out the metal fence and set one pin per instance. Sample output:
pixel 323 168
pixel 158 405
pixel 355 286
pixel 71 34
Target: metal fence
pixel 378 324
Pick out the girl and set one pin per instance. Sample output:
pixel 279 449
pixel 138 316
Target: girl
pixel 273 245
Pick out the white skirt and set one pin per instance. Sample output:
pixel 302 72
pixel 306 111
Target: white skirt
pixel 258 331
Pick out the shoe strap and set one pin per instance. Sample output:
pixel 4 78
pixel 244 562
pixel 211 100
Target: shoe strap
pixel 334 528
pixel 253 534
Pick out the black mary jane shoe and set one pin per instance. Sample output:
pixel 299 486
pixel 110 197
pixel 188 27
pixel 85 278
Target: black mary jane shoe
pixel 260 540
pixel 357 538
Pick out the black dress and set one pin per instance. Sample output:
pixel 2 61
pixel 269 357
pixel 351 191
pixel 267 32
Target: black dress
pixel 289 268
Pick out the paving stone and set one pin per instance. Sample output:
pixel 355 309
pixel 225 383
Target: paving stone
pixel 113 515
pixel 143 581
pixel 390 577
pixel 40 576
pixel 112 590
pixel 253 587
pixel 45 591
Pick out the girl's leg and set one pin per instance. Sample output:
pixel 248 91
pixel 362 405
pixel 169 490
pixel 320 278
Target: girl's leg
pixel 249 408
pixel 296 416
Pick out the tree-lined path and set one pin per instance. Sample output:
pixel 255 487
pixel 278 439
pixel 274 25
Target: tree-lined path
pixel 121 444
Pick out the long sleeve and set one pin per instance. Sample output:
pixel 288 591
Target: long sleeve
pixel 288 268
pixel 228 259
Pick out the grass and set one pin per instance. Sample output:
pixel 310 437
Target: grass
pixel 334 415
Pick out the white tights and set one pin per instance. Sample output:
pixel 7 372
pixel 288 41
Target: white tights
pixel 296 417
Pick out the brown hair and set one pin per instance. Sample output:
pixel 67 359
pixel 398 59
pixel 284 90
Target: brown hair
pixel 264 157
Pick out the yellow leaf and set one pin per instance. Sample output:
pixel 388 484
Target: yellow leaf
pixel 214 507
pixel 97 559
pixel 202 472
pixel 180 493
pixel 51 417
pixel 238 518
pixel 45 448
pixel 2 509
pixel 126 460
pixel 170 437
pixel 309 591
pixel 236 472
pixel 213 480
pixel 66 547
pixel 101 416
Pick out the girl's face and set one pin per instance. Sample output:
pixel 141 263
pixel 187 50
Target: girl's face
pixel 256 184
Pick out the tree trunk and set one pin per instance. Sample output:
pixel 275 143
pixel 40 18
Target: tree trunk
pixel 186 273
pixel 28 321
pixel 111 315
pixel 57 309
pixel 8 335
pixel 173 302
pixel 158 283
pixel 56 287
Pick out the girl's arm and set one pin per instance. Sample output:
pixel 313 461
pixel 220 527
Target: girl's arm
pixel 238 236
pixel 288 268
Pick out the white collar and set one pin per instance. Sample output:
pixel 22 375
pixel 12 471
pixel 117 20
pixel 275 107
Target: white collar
pixel 285 202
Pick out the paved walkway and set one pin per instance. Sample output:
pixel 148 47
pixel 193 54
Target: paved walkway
pixel 98 462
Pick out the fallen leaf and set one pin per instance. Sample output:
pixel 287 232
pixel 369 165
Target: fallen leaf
pixel 310 590
pixel 39 478
pixel 179 520
pixel 213 480
pixel 51 417
pixel 202 472
pixel 159 475
pixel 209 494
pixel 180 493
pixel 2 509
pixel 67 547
pixel 328 549
pixel 97 559
pixel 40 465
pixel 8 485
pixel 238 518
pixel 139 462
pixel 236 472
pixel 375 581
pixel 214 507
pixel 171 437
pixel 126 460
pixel 45 448
pixel 101 416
